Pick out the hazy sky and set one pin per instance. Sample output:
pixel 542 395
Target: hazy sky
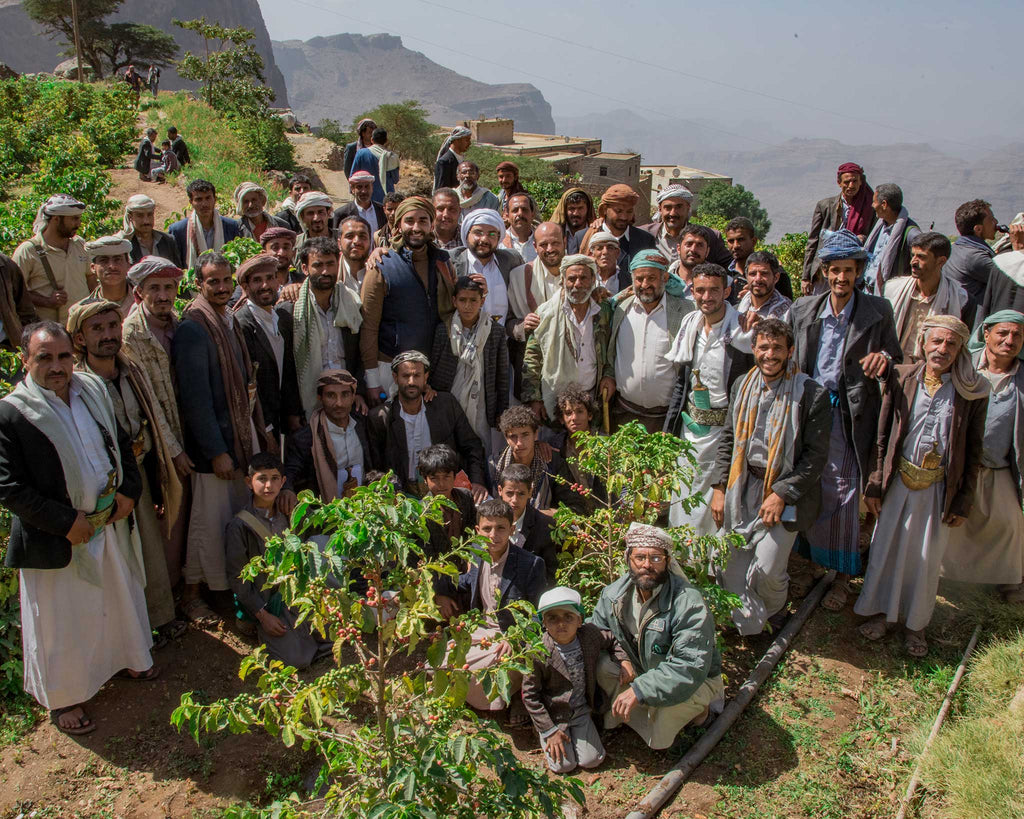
pixel 864 72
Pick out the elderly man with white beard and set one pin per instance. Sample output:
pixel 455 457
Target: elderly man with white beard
pixel 251 206
pixel 562 349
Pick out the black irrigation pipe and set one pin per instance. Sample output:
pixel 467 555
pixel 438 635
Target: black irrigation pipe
pixel 674 779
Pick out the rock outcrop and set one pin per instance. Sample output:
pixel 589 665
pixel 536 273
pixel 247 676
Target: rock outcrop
pixel 25 48
pixel 342 76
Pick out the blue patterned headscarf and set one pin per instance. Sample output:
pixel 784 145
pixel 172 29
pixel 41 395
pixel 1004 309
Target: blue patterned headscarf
pixel 841 244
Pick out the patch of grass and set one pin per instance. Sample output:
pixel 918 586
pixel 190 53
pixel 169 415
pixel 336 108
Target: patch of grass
pixel 18 715
pixel 976 766
pixel 218 155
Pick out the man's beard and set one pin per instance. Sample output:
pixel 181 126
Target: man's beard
pixel 579 295
pixel 646 582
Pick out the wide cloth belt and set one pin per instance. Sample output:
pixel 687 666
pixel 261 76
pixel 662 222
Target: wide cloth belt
pixel 920 477
pixel 707 417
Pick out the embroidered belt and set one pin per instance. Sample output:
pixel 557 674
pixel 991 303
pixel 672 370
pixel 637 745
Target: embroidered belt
pixel 105 504
pixel 707 417
pixel 920 477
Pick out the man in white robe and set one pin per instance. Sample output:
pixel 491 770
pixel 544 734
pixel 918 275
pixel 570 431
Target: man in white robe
pixel 82 600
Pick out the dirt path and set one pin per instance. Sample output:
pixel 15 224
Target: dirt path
pixel 170 197
pixel 327 160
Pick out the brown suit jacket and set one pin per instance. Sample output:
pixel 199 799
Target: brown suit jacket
pixel 548 689
pixel 967 432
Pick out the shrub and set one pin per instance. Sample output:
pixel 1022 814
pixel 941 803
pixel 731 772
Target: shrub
pixel 719 198
pixel 409 133
pixel 641 472
pixel 411 754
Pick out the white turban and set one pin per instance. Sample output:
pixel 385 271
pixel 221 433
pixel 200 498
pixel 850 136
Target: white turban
pixel 313 199
pixel 482 216
pixel 603 237
pixel 108 246
pixel 244 189
pixel 135 203
pixel 574 259
pixel 675 192
pixel 60 204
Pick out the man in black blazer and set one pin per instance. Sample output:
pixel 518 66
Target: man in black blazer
pixel 268 337
pixel 406 424
pixel 616 209
pixel 361 186
pixel 846 340
pixel 452 154
pixel 79 628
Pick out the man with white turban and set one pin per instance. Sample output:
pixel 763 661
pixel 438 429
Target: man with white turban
pixel 483 258
pixel 313 211
pixel 138 228
pixel 251 206
pixel 452 154
pixel 923 475
pixel 563 350
pixel 108 261
pixel 673 676
pixel 54 261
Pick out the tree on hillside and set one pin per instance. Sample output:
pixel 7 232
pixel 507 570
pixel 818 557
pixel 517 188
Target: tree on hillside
pixel 55 18
pixel 725 201
pixel 409 133
pixel 123 44
pixel 230 69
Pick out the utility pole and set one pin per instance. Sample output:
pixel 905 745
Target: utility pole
pixel 78 41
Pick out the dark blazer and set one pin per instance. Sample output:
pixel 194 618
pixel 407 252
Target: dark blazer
pixel 1002 293
pixel 547 690
pixel 537 528
pixel 349 346
pixel 272 221
pixel 205 416
pixel 33 488
pixel 506 258
pixel 290 220
pixel 970 263
pixel 181 150
pixel 800 487
pixel 967 432
pixel 144 158
pixel 448 425
pixel 872 329
pixel 278 392
pixel 738 365
pixel 445 170
pixel 16 308
pixel 522 578
pixel 444 365
pixel 350 209
pixel 717 251
pixel 631 242
pixel 828 215
pixel 179 232
pixel 164 246
pixel 298 462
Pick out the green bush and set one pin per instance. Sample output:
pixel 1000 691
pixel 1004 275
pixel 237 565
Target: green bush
pixel 266 146
pixel 720 199
pixel 409 133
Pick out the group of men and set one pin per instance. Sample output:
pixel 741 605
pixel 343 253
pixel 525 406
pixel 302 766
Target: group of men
pixel 457 341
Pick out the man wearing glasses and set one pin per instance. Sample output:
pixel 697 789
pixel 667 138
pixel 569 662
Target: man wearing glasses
pixel 674 674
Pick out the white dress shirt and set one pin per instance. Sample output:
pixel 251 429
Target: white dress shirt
pixel 496 300
pixel 267 320
pixel 370 215
pixel 332 352
pixel 348 452
pixel 643 374
pixel 583 341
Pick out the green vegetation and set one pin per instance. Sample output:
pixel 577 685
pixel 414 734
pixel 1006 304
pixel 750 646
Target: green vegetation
pixel 724 201
pixel 231 73
pixel 539 177
pixel 106 47
pixel 977 764
pixel 409 752
pixel 60 137
pixel 217 153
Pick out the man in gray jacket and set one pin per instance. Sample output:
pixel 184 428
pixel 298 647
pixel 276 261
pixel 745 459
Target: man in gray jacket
pixel 970 263
pixel 673 676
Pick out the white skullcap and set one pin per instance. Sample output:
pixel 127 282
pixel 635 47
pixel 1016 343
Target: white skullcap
pixel 560 597
pixel 139 202
pixel 246 188
pixel 603 237
pixel 60 204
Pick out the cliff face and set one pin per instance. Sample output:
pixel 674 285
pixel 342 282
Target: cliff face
pixel 341 77
pixel 25 48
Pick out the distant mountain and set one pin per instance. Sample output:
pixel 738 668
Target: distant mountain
pixel 790 177
pixel 25 48
pixel 342 76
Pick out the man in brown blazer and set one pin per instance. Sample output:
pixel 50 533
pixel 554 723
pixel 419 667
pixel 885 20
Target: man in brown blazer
pixel 924 470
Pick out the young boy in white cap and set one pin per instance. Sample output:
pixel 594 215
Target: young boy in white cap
pixel 560 693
